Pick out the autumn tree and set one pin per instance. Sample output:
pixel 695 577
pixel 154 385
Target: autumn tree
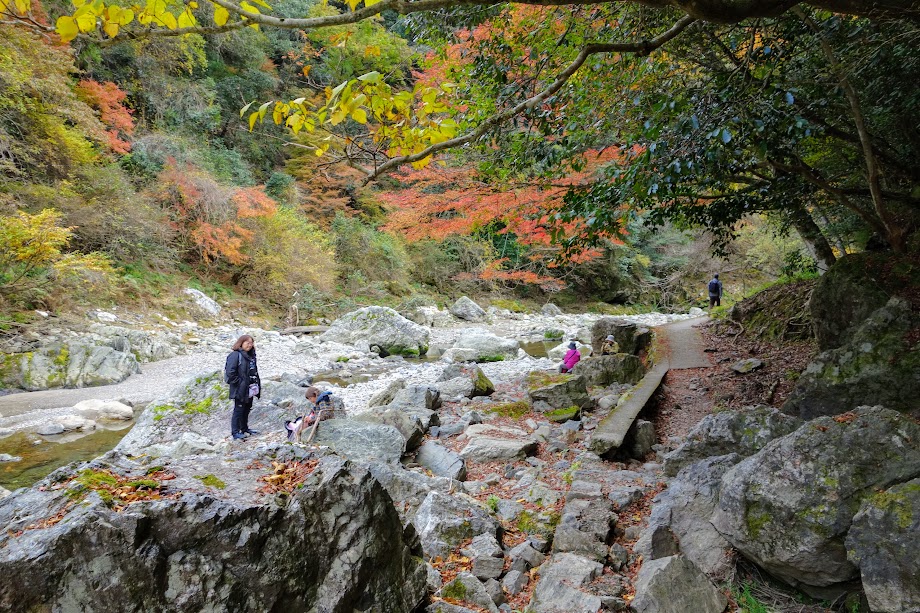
pixel 539 72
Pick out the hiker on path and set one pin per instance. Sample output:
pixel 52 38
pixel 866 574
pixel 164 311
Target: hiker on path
pixel 242 373
pixel 572 356
pixel 715 291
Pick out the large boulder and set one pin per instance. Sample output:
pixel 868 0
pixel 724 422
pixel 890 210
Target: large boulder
pixel 203 302
pixel 789 506
pixel 683 511
pixel 559 396
pixel 73 364
pixel 884 542
pixel 361 442
pixel 606 369
pixel 336 544
pixel 379 329
pixel 475 345
pixel 467 310
pixel 854 287
pixel 444 522
pixel 879 363
pixel 489 443
pixel 632 338
pixel 408 425
pixel 744 432
pixel 418 401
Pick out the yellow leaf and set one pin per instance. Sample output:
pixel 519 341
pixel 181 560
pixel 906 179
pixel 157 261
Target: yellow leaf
pixel 125 17
pixel 352 4
pixel 421 163
pixel 252 120
pixel 67 28
pixel 249 8
pixel 86 22
pixel 263 4
pixel 221 15
pixel 306 70
pixel 22 6
pixel 168 20
pixel 359 115
pixel 110 28
pixel 193 5
pixel 372 51
pixel 186 19
pixel 370 2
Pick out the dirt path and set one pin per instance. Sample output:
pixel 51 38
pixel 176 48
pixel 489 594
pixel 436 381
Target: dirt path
pixel 685 396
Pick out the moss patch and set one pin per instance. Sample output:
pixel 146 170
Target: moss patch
pixel 562 415
pixel 895 502
pixel 454 590
pixel 211 481
pixel 514 410
pixel 491 358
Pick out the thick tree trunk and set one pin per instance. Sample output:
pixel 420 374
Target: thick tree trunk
pixel 813 238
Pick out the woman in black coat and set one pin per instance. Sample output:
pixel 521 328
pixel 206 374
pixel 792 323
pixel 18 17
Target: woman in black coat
pixel 243 377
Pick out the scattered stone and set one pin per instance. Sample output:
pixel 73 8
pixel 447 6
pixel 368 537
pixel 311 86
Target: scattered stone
pixel 485 567
pixel 466 309
pixel 551 310
pixel 515 582
pixel 443 522
pixel 560 580
pixel 494 589
pixel 441 461
pixel 380 329
pixel 675 585
pixel 468 588
pixel 50 429
pixel 5 457
pixel 104 410
pixel 742 367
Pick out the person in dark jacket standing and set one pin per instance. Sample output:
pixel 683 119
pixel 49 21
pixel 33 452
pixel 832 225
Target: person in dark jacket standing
pixel 243 377
pixel 715 292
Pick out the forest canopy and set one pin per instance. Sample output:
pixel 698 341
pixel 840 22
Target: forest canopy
pixel 546 128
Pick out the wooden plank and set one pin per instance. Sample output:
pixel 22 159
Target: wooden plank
pixel 305 330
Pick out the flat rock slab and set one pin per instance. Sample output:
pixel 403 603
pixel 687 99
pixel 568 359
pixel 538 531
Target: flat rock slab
pixel 611 430
pixel 441 461
pixel 361 442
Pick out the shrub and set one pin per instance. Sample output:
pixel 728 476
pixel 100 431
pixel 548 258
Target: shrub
pixel 32 260
pixel 377 256
pixel 288 255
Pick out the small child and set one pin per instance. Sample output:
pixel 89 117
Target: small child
pixel 321 406
pixel 572 356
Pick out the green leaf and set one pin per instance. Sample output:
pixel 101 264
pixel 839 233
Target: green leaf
pixel 246 108
pixel 371 77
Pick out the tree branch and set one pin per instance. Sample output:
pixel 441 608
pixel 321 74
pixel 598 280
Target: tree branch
pixel 640 47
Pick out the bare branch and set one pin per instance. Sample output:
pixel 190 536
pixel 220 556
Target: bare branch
pixel 640 47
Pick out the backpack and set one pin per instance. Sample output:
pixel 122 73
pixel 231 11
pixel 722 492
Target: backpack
pixel 714 288
pixel 230 367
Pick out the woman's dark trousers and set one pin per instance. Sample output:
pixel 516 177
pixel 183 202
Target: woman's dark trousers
pixel 239 423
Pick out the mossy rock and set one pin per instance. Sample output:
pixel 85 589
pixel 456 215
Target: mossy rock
pixel 563 415
pixel 855 286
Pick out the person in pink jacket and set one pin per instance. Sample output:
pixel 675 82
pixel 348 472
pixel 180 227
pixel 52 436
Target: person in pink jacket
pixel 571 358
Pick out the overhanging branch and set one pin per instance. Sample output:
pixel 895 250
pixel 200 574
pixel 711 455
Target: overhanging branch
pixel 639 47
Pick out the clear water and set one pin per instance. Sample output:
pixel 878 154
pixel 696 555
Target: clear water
pixel 41 455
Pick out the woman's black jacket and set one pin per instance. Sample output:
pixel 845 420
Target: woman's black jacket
pixel 239 377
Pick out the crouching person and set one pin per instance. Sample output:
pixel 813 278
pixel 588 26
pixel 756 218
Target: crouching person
pixel 320 407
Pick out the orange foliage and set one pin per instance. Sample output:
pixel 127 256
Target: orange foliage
pixel 254 202
pixel 440 202
pixel 209 215
pixel 108 99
